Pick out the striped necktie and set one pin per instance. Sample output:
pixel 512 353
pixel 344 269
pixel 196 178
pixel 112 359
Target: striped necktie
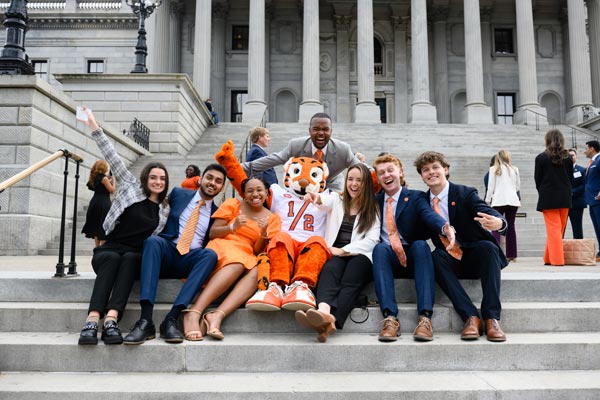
pixel 394 236
pixel 185 240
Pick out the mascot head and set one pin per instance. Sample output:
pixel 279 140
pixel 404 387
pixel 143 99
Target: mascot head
pixel 305 174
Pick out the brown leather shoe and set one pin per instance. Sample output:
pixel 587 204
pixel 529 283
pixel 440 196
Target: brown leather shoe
pixel 472 329
pixel 322 336
pixel 423 332
pixel 493 331
pixel 390 329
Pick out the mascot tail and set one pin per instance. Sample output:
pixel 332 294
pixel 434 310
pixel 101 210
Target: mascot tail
pixel 235 173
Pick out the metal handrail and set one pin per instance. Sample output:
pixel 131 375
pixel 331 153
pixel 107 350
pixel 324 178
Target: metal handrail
pixel 60 266
pixel 554 123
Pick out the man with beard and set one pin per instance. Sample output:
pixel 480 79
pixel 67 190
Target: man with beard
pixel 337 154
pixel 178 252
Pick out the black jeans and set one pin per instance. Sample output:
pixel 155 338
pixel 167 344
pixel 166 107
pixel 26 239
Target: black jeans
pixel 116 267
pixel 340 283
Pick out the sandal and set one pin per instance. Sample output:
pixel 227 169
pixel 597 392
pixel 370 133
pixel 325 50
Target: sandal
pixel 214 333
pixel 192 335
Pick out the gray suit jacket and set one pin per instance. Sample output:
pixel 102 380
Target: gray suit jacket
pixel 339 156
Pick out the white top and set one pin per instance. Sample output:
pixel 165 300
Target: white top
pixel 502 190
pixel 360 243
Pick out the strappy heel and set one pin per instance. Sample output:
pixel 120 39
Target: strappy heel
pixel 189 335
pixel 214 333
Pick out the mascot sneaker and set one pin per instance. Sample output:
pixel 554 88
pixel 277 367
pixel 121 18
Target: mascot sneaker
pixel 298 297
pixel 266 300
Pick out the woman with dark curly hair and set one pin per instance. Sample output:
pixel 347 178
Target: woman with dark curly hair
pixel 553 177
pixel 103 185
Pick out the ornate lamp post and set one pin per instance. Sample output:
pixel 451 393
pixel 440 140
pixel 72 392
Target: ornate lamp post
pixel 143 9
pixel 13 59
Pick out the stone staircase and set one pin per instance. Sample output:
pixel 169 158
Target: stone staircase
pixel 467 147
pixel 552 351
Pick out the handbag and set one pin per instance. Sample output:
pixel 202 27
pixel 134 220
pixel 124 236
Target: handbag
pixel 579 251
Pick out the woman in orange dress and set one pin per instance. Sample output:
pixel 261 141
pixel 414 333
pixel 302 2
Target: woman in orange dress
pixel 241 231
pixel 192 177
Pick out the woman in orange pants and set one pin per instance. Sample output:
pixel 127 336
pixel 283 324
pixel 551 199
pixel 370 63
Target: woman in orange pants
pixel 553 176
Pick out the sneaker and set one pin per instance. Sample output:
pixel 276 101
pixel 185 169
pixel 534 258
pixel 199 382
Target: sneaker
pixel 298 297
pixel 266 300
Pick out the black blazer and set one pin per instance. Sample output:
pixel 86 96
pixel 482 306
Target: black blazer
pixel 415 220
pixel 578 187
pixel 553 182
pixel 463 205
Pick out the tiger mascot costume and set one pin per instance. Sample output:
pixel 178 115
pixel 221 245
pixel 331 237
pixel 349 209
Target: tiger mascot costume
pixel 298 252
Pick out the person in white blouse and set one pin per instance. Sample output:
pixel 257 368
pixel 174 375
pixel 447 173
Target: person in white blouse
pixel 502 194
pixel 352 232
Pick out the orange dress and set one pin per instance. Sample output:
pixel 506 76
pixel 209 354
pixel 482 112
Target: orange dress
pixel 190 183
pixel 239 247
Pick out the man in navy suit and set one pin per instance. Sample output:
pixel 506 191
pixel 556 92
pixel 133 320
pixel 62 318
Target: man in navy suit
pixel 481 256
pixel 592 186
pixel 260 139
pixel 578 197
pixel 412 217
pixel 162 259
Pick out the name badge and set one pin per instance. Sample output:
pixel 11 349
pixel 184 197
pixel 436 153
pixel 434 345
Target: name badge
pixel 576 174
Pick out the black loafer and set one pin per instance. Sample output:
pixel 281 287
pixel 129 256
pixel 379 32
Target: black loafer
pixel 142 330
pixel 89 333
pixel 111 334
pixel 170 332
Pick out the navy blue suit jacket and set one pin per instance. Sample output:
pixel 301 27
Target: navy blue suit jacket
pixel 578 187
pixel 257 152
pixel 463 205
pixel 415 220
pixel 178 200
pixel 592 183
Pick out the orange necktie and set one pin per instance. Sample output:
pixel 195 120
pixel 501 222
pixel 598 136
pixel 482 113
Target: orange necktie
pixel 319 154
pixel 185 240
pixel 456 252
pixel 589 165
pixel 390 224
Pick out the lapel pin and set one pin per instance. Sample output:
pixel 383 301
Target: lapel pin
pixel 406 199
pixel 453 203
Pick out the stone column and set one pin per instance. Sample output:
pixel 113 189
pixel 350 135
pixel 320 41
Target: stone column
pixel 217 89
pixel 593 7
pixel 477 112
pixel 486 49
pixel 177 10
pixel 400 26
pixel 202 44
pixel 158 39
pixel 255 105
pixel 342 25
pixel 366 109
pixel 311 102
pixel 422 111
pixel 268 19
pixel 581 84
pixel 564 25
pixel 439 16
pixel 528 89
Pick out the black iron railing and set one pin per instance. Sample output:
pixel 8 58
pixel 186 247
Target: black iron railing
pixel 139 132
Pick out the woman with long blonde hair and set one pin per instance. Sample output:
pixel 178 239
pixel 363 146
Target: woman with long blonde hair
pixel 502 194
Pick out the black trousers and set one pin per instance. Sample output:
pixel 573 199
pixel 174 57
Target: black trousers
pixel 481 260
pixel 576 218
pixel 116 267
pixel 340 283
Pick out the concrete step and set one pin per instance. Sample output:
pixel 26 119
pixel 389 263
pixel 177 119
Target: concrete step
pixel 516 317
pixel 272 353
pixel 555 284
pixel 506 385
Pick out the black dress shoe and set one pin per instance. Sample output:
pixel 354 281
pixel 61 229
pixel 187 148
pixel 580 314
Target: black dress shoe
pixel 111 334
pixel 89 333
pixel 142 330
pixel 170 332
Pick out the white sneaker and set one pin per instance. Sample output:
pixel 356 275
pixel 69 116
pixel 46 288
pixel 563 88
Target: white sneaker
pixel 298 297
pixel 266 300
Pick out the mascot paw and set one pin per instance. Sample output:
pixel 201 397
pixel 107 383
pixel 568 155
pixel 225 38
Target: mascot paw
pixel 226 153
